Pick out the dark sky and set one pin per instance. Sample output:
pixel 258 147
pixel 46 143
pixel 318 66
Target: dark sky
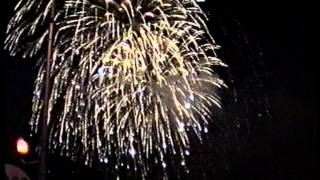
pixel 270 77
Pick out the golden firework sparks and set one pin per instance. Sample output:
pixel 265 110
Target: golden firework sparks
pixel 131 78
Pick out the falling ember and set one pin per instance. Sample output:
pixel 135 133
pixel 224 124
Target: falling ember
pixel 127 76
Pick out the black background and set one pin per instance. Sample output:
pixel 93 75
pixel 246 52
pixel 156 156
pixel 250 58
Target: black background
pixel 268 132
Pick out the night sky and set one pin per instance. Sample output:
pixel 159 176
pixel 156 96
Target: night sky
pixel 267 128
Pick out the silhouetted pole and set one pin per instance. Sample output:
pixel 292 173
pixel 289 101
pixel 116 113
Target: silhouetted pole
pixel 44 125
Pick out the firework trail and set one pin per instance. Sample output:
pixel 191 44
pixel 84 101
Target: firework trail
pixel 131 79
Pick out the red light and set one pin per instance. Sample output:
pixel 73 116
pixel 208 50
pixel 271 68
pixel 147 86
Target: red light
pixel 22 146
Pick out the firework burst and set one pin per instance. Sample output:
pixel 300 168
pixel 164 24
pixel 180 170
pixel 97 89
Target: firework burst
pixel 131 79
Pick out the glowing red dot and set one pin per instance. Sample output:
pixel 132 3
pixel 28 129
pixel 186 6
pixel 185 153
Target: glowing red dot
pixel 22 146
